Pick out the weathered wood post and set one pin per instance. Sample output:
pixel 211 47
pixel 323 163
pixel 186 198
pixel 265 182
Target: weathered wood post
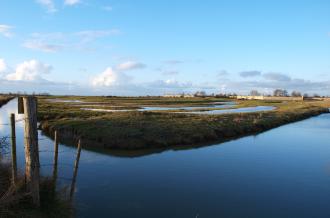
pixel 55 158
pixel 20 105
pixel 13 149
pixel 32 165
pixel 75 172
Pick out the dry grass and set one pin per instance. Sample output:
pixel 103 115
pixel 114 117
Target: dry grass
pixel 16 202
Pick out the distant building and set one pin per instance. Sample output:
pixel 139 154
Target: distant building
pixel 319 98
pixel 272 98
pixel 188 96
pixel 178 95
pixel 172 96
pixel 250 97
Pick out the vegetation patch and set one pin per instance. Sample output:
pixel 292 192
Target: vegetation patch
pixel 140 130
pixel 16 202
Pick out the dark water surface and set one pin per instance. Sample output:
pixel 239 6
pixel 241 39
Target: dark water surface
pixel 284 172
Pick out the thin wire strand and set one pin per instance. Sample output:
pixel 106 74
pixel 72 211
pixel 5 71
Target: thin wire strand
pixel 59 164
pixel 16 121
pixel 40 139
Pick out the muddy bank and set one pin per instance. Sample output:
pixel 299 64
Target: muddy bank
pixel 153 130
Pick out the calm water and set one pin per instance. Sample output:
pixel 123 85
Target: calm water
pixel 189 110
pixel 219 105
pixel 235 110
pixel 284 172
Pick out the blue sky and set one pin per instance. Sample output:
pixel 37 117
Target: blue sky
pixel 128 47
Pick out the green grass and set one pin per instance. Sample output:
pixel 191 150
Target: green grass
pixel 140 130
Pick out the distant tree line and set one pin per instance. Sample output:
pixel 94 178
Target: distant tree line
pixel 25 93
pixel 254 92
pixel 284 93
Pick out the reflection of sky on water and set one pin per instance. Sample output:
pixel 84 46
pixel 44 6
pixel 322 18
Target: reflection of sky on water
pixel 187 110
pixel 215 105
pixel 64 101
pixel 6 111
pixel 235 110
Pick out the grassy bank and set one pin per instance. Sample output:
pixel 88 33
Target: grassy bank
pixel 138 130
pixel 15 202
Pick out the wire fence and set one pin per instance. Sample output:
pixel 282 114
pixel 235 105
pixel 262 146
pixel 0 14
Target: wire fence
pixel 4 140
pixel 16 121
pixel 9 137
pixel 58 164
pixel 45 164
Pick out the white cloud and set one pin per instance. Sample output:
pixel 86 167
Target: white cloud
pixel 111 77
pixel 116 76
pixel 71 2
pixel 130 65
pixel 31 70
pixel 48 4
pixel 5 30
pixel 30 76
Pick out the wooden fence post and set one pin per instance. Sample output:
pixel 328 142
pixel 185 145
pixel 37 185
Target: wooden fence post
pixel 32 164
pixel 76 164
pixel 13 149
pixel 55 158
pixel 20 105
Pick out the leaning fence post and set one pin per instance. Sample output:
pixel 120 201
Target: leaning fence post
pixel 75 172
pixel 32 165
pixel 13 149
